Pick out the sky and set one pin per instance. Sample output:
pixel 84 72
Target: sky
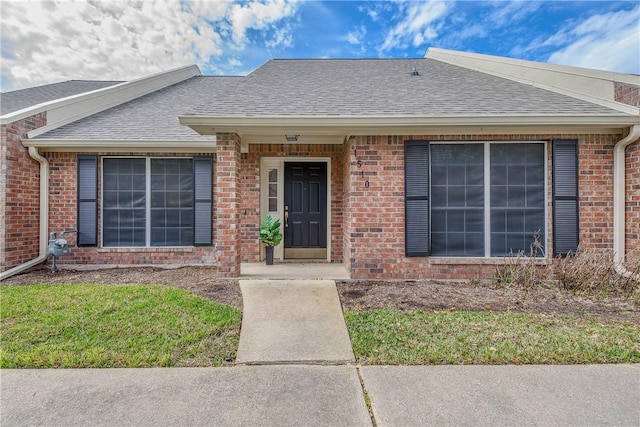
pixel 52 41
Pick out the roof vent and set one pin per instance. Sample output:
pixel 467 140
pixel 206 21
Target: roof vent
pixel 414 72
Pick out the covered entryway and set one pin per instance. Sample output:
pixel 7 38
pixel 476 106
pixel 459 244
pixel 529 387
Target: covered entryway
pixel 297 191
pixel 305 210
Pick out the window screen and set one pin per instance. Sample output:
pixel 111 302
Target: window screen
pixel 171 202
pixel 517 197
pixel 124 202
pixel 457 200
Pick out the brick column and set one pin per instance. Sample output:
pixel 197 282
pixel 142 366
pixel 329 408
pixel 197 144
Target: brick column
pixel 226 205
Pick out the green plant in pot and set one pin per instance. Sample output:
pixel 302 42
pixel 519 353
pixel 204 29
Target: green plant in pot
pixel 271 236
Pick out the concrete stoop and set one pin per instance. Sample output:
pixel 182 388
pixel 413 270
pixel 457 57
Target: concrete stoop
pixel 292 322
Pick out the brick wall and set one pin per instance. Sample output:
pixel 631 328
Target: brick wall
pixel 627 93
pixel 633 201
pixel 228 203
pixel 250 177
pixel 374 238
pixel 19 194
pixel 63 215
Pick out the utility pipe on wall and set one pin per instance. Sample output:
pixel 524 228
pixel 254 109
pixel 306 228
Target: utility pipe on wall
pixel 619 238
pixel 44 217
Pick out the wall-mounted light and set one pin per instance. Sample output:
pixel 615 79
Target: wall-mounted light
pixel 292 138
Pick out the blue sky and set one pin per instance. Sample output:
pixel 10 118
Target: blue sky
pixel 44 42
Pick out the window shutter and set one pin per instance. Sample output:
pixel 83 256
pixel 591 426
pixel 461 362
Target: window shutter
pixel 565 196
pixel 203 178
pixel 87 200
pixel 416 188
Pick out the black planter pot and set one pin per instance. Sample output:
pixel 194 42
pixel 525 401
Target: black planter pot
pixel 269 254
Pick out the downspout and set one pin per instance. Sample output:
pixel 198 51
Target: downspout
pixel 619 201
pixel 44 217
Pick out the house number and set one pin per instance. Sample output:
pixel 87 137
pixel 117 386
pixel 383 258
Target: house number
pixel 359 164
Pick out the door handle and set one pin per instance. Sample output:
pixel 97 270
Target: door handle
pixel 286 219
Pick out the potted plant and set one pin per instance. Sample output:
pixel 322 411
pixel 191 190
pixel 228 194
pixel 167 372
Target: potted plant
pixel 271 236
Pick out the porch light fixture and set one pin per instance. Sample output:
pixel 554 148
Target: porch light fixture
pixel 292 138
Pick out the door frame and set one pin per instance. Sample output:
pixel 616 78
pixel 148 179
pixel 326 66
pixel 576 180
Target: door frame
pixel 269 163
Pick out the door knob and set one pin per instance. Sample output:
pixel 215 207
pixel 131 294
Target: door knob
pixel 286 218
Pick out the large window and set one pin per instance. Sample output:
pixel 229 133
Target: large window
pixel 148 202
pixel 479 199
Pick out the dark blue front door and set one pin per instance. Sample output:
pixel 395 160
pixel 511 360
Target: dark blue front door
pixel 305 207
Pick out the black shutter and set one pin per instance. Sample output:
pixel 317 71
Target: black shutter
pixel 203 181
pixel 87 200
pixel 416 189
pixel 565 196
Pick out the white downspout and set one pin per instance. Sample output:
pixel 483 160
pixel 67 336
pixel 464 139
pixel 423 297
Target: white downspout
pixel 619 201
pixel 44 217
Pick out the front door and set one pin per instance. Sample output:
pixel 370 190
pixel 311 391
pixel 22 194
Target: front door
pixel 305 210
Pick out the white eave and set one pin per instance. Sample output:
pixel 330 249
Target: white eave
pixel 333 129
pixel 66 110
pixel 123 145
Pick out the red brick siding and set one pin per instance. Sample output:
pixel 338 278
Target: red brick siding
pixel 347 222
pixel 228 204
pixel 375 240
pixel 19 194
pixel 250 177
pixel 63 215
pixel 627 93
pixel 633 200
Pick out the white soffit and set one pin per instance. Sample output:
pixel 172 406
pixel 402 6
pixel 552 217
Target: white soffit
pixel 594 86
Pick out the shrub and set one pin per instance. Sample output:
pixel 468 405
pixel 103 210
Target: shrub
pixel 592 271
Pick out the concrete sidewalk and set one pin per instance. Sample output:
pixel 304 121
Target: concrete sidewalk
pixel 292 321
pixel 531 395
pixel 239 396
pixel 287 395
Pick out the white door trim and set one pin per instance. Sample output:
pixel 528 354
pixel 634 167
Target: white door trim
pixel 267 163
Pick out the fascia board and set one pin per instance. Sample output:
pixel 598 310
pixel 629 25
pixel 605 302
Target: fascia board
pixel 438 53
pixel 122 145
pixel 66 110
pixel 221 124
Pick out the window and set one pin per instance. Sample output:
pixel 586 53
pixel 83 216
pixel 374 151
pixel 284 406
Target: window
pixel 481 199
pixel 148 202
pixel 273 190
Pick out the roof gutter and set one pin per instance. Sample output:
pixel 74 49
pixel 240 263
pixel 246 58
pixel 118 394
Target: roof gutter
pixel 619 180
pixel 44 218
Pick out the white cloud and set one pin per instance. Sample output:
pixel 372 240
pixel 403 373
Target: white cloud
pixel 258 16
pixel 44 42
pixel 509 12
pixel 420 22
pixel 356 36
pixel 609 41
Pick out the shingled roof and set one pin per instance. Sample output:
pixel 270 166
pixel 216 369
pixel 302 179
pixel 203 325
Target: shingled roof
pixel 23 98
pixel 151 117
pixel 331 88
pixel 381 87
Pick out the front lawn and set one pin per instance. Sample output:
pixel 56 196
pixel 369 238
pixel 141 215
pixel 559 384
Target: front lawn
pixel 393 337
pixel 97 326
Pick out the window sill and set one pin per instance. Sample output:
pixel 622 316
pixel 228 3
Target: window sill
pixel 484 261
pixel 172 249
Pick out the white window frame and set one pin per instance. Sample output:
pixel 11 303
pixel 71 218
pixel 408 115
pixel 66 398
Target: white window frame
pixel 487 194
pixel 147 197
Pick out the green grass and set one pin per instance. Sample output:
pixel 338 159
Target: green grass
pixel 393 337
pixel 96 326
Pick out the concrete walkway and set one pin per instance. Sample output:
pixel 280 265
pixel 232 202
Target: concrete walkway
pixel 289 395
pixel 292 321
